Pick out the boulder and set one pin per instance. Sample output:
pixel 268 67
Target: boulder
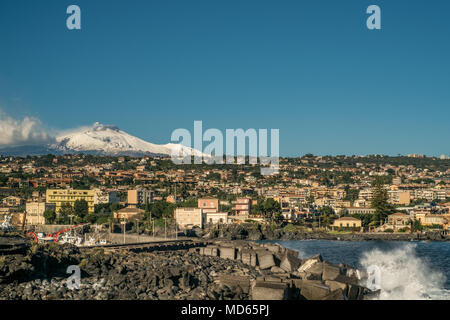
pixel 274 248
pixel 228 253
pixel 267 290
pixel 272 278
pixel 314 291
pixel 195 250
pixel 335 295
pixel 330 272
pixel 371 295
pixel 276 269
pixel 312 269
pixel 307 276
pixel 355 292
pixel 235 281
pixel 210 251
pixel 334 285
pixel 265 260
pixel 347 280
pixel 298 283
pixel 290 262
pixel 248 256
pixel 312 265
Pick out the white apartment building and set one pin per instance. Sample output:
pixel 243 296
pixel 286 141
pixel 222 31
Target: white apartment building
pixel 103 196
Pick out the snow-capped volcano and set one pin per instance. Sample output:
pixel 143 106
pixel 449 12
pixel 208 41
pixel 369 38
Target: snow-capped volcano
pixel 110 140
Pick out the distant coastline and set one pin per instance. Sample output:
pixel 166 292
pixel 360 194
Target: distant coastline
pixel 251 232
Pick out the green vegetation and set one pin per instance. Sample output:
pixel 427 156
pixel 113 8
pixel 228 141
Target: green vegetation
pixel 50 216
pixel 80 209
pixel 380 203
pixel 270 209
pixel 326 216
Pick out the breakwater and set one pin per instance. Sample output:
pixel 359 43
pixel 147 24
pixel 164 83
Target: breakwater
pixel 218 270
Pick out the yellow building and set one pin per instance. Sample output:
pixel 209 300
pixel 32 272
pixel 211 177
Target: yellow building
pixel 128 212
pixel 399 197
pixel 346 222
pixel 428 219
pixel 60 196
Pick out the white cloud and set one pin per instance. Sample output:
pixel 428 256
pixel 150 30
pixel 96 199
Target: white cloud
pixel 28 131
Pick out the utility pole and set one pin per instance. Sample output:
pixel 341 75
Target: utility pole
pixel 124 226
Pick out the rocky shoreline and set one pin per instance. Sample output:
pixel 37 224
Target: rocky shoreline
pixel 257 232
pixel 223 270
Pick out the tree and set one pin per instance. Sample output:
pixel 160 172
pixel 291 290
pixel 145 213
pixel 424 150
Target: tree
pixel 3 180
pixel 351 194
pixel 65 211
pixel 366 219
pixel 270 208
pixel 416 226
pixel 80 208
pixel 326 215
pixel 380 203
pixel 50 216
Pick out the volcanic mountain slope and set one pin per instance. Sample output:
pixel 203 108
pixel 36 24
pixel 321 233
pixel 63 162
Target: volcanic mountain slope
pixel 110 140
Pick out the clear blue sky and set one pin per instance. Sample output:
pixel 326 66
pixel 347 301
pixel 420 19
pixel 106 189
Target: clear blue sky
pixel 310 68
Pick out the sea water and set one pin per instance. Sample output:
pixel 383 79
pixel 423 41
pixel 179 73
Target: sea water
pixel 409 270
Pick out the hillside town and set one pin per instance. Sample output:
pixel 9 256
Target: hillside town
pixel 348 194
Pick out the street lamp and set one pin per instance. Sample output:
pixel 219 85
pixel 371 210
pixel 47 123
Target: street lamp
pixel 165 228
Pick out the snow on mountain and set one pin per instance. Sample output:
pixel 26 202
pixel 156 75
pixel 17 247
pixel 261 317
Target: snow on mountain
pixel 110 140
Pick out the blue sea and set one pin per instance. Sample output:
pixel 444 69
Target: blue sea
pixel 409 270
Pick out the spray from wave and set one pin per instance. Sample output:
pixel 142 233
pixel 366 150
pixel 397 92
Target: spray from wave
pixel 404 275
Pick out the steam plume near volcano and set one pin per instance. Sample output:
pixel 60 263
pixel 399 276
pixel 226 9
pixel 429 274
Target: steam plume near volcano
pixel 27 131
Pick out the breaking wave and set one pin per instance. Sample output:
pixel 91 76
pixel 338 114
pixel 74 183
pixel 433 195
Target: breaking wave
pixel 404 275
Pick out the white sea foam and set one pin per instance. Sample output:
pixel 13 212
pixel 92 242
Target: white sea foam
pixel 405 276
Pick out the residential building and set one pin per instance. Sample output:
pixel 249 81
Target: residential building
pixel 60 196
pixel 428 219
pixel 35 212
pixel 104 196
pixel 398 221
pixel 242 206
pixel 399 197
pixel 189 217
pixel 12 201
pixel 215 217
pixel 139 197
pixel 346 222
pixel 128 213
pixel 355 210
pixel 208 204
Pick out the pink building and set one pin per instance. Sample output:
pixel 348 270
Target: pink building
pixel 242 206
